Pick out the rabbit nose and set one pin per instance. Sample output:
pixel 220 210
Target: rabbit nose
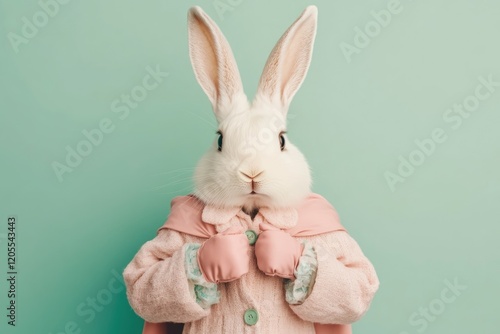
pixel 249 176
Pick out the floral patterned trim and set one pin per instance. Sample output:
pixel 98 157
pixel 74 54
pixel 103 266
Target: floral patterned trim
pixel 296 291
pixel 206 292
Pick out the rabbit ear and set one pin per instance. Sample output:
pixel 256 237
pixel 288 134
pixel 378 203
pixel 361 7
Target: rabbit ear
pixel 213 62
pixel 289 61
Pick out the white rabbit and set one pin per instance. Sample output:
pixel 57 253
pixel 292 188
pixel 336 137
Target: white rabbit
pixel 252 250
pixel 253 135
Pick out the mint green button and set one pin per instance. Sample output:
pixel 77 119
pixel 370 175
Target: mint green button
pixel 252 236
pixel 251 317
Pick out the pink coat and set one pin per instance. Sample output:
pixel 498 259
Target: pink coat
pixel 313 218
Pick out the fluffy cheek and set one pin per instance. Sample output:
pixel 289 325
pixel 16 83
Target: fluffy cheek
pixel 215 181
pixel 289 179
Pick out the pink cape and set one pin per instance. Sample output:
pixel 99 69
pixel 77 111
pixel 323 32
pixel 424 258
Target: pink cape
pixel 315 216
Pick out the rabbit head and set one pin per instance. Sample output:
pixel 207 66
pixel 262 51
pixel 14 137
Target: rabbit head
pixel 251 163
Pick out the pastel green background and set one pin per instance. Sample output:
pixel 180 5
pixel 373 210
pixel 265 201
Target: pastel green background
pixel 352 120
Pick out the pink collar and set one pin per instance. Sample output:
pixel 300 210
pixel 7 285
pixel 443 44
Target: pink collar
pixel 282 218
pixel 313 216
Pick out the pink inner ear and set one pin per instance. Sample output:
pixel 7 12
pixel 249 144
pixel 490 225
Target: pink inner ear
pixel 288 62
pixel 213 61
pixel 297 59
pixel 203 57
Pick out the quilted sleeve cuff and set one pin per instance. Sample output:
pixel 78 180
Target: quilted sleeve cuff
pixel 296 291
pixel 206 293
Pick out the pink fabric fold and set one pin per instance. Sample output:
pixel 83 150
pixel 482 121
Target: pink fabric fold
pixel 185 217
pixel 314 216
pixel 217 264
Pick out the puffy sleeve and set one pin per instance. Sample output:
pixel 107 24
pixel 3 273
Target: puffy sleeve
pixel 345 281
pixel 160 285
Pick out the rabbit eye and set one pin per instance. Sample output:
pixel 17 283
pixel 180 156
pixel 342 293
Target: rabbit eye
pixel 219 141
pixel 282 141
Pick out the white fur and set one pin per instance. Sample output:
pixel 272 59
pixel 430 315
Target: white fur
pixel 251 145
